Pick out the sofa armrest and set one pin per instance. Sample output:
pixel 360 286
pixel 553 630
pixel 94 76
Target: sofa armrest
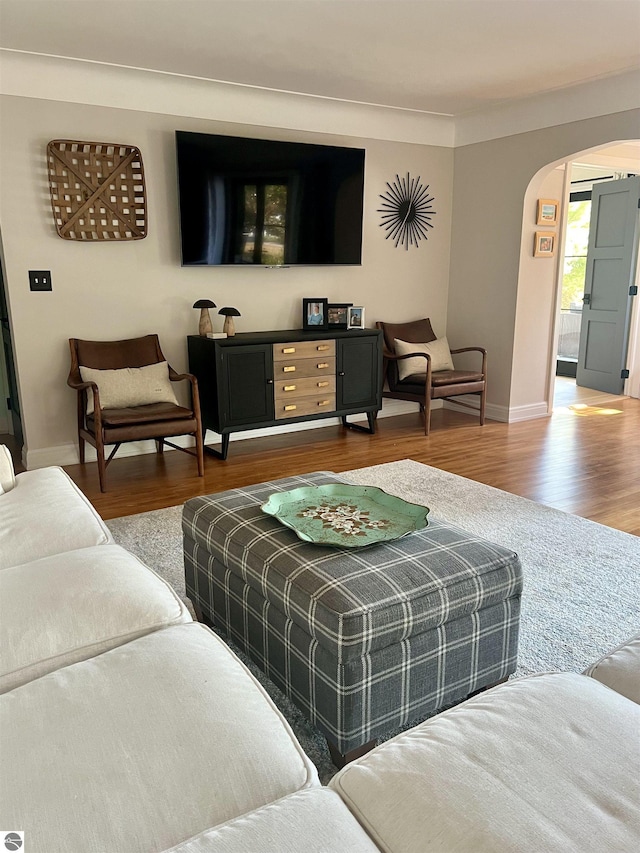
pixel 619 669
pixel 7 474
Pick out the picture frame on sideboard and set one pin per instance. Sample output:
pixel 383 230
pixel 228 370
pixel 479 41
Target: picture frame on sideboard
pixel 355 317
pixel 338 314
pixel 314 314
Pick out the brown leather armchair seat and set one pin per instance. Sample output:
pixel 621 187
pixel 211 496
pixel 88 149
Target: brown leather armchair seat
pixel 431 385
pixel 106 426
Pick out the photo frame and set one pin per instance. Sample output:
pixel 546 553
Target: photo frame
pixel 355 317
pixel 544 245
pixel 547 211
pixel 338 314
pixel 314 314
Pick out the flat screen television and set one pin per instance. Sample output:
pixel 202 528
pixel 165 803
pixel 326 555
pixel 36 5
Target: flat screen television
pixel 268 203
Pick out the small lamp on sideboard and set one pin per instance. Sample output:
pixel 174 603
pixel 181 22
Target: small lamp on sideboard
pixel 205 324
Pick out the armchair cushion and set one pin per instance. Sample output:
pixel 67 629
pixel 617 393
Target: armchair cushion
pixel 130 386
pixel 438 350
pixel 148 414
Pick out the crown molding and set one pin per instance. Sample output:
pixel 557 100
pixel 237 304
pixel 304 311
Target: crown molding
pixel 52 78
pixel 613 94
pixel 79 81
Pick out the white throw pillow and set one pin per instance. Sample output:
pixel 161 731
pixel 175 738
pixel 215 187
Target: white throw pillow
pixel 130 386
pixel 7 474
pixel 438 350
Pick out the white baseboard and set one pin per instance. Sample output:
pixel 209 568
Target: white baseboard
pixel 491 410
pixel 528 413
pixel 503 414
pixel 67 454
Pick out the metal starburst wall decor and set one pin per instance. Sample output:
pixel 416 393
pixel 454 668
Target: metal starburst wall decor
pixel 406 211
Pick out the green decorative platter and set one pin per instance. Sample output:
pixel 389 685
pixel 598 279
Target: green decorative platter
pixel 344 515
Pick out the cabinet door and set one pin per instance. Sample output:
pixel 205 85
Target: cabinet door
pixel 359 373
pixel 245 391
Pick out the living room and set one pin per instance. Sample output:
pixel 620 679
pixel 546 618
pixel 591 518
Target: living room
pixel 464 276
pixel 488 143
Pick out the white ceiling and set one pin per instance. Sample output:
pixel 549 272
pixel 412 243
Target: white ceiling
pixel 443 56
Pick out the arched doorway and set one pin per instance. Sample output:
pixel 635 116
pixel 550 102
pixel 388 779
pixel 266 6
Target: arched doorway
pixel 541 277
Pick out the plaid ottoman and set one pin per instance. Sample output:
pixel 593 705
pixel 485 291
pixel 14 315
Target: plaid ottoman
pixel 361 640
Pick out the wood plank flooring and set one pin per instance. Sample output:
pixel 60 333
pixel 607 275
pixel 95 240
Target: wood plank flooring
pixel 584 461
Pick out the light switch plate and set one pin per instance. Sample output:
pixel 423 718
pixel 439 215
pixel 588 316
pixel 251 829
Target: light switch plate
pixel 40 280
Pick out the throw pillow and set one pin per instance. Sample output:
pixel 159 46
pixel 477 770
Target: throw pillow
pixel 438 350
pixel 130 386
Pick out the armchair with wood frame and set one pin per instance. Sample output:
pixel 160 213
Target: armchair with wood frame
pixel 137 404
pixel 427 384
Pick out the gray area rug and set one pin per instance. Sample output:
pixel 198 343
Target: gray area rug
pixel 581 580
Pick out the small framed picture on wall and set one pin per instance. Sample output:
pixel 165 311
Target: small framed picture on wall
pixel 544 245
pixel 547 211
pixel 355 317
pixel 314 313
pixel 337 314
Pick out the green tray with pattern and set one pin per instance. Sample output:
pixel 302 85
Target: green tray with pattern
pixel 344 515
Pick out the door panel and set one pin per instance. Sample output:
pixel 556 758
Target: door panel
pixel 611 264
pixel 359 372
pixel 246 385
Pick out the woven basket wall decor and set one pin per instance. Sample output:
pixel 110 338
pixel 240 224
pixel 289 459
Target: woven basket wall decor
pixel 97 190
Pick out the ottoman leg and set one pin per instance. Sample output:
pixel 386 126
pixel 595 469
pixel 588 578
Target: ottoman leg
pixel 340 759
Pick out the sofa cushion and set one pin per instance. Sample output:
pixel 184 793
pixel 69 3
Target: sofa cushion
pixel 143 747
pixel 620 669
pixel 543 763
pixel 68 607
pixel 311 821
pixel 45 514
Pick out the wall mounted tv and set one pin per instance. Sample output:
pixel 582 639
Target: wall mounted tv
pixel 268 203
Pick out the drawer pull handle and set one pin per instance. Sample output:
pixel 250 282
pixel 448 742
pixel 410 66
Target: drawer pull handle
pixel 289 388
pixel 322 384
pixel 289 369
pixel 288 349
pixel 290 408
pixel 322 364
pixel 322 348
pixel 324 402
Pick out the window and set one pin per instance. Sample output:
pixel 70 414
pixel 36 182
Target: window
pixel 264 221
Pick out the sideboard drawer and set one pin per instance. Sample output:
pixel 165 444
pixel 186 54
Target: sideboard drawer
pixel 285 389
pixel 302 367
pixel 304 406
pixel 303 349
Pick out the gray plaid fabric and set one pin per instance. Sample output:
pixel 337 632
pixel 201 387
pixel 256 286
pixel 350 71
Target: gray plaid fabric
pixel 362 640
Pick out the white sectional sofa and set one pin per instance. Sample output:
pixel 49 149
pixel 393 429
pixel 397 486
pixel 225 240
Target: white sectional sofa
pixel 125 726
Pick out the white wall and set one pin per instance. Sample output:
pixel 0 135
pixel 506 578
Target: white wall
pixel 490 183
pixel 119 290
pixel 536 306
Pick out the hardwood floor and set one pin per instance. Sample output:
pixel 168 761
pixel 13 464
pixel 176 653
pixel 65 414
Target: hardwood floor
pixel 583 460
